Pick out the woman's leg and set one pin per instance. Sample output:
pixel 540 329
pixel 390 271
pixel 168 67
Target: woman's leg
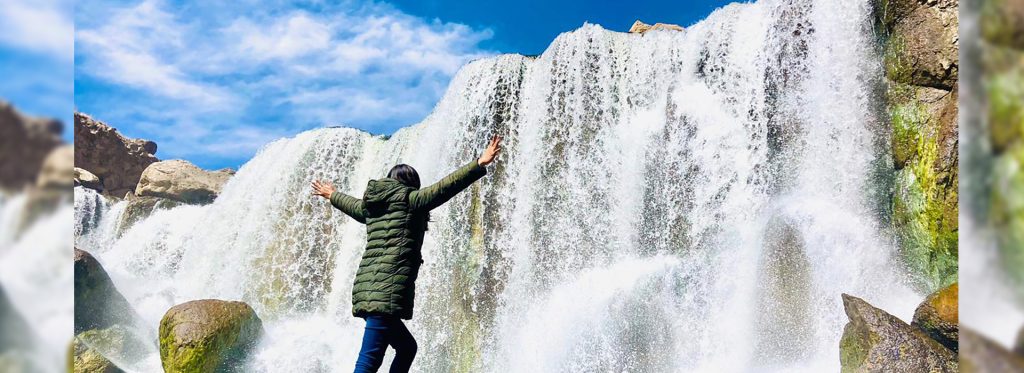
pixel 404 344
pixel 375 343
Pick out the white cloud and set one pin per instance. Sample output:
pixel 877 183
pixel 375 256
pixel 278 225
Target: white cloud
pixel 265 70
pixel 39 26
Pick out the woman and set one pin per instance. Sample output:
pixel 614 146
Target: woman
pixel 395 211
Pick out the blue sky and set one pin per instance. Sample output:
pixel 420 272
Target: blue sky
pixel 212 82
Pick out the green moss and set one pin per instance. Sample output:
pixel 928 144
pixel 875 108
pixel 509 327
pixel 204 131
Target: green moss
pixel 1007 209
pixel 1005 108
pixel 897 66
pixel 207 336
pixel 925 200
pixel 854 347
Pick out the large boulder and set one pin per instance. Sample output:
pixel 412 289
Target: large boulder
pixel 58 169
pixel 87 179
pixel 24 144
pixel 182 181
pixel 98 304
pixel 938 316
pixel 875 341
pixel 923 44
pixel 118 160
pixel 208 335
pixel 982 355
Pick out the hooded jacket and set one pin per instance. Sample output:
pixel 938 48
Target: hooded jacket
pixel 396 220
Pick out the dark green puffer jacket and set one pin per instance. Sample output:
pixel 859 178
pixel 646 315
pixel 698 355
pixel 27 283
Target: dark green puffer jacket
pixel 396 219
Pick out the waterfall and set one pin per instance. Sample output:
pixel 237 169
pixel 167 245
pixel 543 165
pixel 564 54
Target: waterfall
pixel 673 201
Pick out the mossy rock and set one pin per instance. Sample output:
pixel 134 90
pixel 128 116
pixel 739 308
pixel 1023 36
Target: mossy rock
pixel 1007 210
pixel 875 341
pixel 208 336
pixel 88 348
pixel 938 316
pixel 1002 22
pixel 1005 108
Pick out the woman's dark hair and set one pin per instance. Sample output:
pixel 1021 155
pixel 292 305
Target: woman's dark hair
pixel 405 174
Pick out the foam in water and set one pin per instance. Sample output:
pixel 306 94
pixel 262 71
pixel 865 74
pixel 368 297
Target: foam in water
pixel 658 196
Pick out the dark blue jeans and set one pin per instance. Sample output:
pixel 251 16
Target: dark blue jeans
pixel 382 331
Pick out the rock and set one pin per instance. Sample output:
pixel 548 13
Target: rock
pixel 117 160
pixel 875 341
pixel 57 172
pixel 640 27
pixel 784 296
pixel 1002 22
pixel 938 317
pixel 923 44
pixel 24 144
pixel 88 179
pixel 982 355
pixel 87 359
pixel 139 208
pixel 98 304
pixel 182 181
pixel 1018 345
pixel 208 335
pixel 16 333
pixel 925 202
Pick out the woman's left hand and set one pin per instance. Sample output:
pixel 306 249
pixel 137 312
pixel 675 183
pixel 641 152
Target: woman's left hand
pixel 322 189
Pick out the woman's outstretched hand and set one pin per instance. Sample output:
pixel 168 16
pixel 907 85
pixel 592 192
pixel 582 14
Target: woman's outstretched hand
pixel 492 151
pixel 322 189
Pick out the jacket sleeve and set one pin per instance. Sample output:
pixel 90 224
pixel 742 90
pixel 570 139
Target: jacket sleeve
pixel 428 198
pixel 351 206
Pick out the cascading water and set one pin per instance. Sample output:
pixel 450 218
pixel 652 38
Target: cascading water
pixel 673 201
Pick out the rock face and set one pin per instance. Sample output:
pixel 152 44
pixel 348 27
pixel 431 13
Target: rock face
pixel 88 179
pixel 875 341
pixel 938 317
pixel 24 144
pixel 98 304
pixel 923 44
pixel 182 181
pixel 1001 59
pixel 208 335
pixel 982 355
pixel 640 27
pixel 117 160
pixel 921 47
pixel 139 208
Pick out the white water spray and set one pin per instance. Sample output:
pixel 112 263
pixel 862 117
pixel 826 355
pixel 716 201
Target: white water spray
pixel 625 228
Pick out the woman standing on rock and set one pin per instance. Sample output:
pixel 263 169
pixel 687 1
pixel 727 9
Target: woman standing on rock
pixel 396 212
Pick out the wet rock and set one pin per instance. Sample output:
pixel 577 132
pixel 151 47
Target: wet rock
pixel 24 143
pixel 208 335
pixel 982 355
pixel 1018 345
pixel 875 341
pixel 925 204
pixel 86 355
pixel 16 333
pixel 938 317
pixel 182 181
pixel 923 41
pixel 784 290
pixel 640 27
pixel 87 179
pixel 98 304
pixel 140 208
pixel 118 160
